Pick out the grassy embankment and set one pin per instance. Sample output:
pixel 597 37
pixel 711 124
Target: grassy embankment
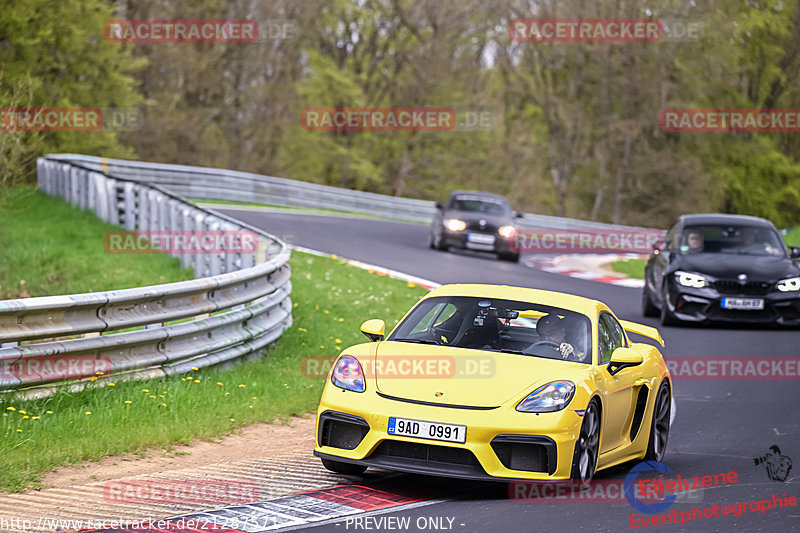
pixel 58 249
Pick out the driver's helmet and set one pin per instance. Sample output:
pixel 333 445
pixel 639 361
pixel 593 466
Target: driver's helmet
pixel 546 323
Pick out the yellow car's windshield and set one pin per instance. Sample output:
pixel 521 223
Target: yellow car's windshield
pixel 509 326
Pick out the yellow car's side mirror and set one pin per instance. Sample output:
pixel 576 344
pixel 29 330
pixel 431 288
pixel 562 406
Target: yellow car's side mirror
pixel 624 358
pixel 373 329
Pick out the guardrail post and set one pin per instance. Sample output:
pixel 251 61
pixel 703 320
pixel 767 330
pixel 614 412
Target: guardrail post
pixel 129 205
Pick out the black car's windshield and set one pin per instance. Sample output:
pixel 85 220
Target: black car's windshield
pixel 508 326
pixel 476 204
pixel 727 239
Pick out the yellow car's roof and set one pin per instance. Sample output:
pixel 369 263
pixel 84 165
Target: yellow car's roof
pixel 580 304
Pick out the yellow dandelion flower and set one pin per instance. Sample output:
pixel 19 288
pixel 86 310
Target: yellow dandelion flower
pixel 128 401
pixel 195 368
pixel 340 319
pixel 49 412
pixel 98 373
pixel 232 419
pixel 302 329
pixel 35 418
pixel 411 284
pixel 325 311
pixel 93 378
pixel 295 304
pixel 183 379
pixel 197 381
pixel 87 413
pixel 255 398
pixel 152 396
pixel 163 405
pixel 338 341
pixel 26 416
pixel 333 256
pixel 19 431
pixel 219 383
pixel 145 390
pixel 11 408
pixel 112 384
pixel 23 412
pixel 321 346
pixel 241 385
pixel 371 270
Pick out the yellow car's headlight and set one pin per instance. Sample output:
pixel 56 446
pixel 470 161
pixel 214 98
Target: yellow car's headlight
pixel 789 285
pixel 348 374
pixel 454 224
pixel 553 396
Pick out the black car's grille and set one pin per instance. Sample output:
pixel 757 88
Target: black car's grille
pixel 425 452
pixel 764 315
pixel 475 226
pixel 750 288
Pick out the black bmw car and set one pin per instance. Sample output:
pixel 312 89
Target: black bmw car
pixel 723 268
pixel 475 221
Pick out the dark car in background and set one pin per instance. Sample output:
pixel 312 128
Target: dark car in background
pixel 723 268
pixel 475 221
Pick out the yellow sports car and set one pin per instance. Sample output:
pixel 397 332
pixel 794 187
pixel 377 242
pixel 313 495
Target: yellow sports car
pixel 497 382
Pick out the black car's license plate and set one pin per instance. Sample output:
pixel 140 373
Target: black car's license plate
pixel 743 304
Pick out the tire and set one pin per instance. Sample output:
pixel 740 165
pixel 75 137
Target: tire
pixel 514 258
pixel 587 447
pixel 659 429
pixel 437 244
pixel 430 241
pixel 347 469
pixel 648 308
pixel 667 318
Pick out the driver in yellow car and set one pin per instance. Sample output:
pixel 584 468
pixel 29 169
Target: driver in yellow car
pixel 553 332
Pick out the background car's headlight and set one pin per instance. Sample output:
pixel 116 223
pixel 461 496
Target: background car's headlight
pixel 788 285
pixel 348 374
pixel 453 224
pixel 548 398
pixel 688 279
pixel 507 231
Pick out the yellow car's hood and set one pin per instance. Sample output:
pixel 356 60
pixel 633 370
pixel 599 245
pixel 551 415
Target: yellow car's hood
pixel 459 376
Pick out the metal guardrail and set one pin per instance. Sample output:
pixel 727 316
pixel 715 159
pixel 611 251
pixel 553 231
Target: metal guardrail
pixel 231 185
pixel 250 300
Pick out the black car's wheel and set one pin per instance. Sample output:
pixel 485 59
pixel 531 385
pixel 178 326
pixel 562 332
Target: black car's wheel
pixel 584 460
pixel 514 258
pixel 648 308
pixel 659 430
pixel 667 318
pixel 347 469
pixel 436 242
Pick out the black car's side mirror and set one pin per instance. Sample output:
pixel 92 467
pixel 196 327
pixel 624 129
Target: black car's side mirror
pixel 439 206
pixel 795 252
pixel 517 214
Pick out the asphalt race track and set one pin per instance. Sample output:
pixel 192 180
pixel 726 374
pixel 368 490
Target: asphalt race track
pixel 721 425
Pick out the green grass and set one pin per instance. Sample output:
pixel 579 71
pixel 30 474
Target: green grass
pixel 331 300
pixel 793 237
pixel 633 268
pixel 50 247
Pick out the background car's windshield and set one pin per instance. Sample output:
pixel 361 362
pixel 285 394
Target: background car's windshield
pixel 727 239
pixel 495 325
pixel 478 205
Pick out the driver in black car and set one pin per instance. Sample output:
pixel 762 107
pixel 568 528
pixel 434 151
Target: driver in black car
pixel 553 334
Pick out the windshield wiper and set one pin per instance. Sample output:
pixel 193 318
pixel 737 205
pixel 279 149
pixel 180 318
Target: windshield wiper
pixel 418 341
pixel 517 352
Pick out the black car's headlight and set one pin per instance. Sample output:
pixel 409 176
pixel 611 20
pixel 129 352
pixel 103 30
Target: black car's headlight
pixel 789 285
pixel 507 231
pixel 454 224
pixel 553 396
pixel 688 279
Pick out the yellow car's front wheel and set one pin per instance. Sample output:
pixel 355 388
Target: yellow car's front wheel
pixel 347 469
pixel 584 461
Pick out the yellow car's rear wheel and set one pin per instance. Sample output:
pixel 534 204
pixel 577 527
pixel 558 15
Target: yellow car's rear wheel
pixel 584 461
pixel 347 469
pixel 659 431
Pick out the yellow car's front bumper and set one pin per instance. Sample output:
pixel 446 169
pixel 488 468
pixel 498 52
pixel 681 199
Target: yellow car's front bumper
pixel 501 443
